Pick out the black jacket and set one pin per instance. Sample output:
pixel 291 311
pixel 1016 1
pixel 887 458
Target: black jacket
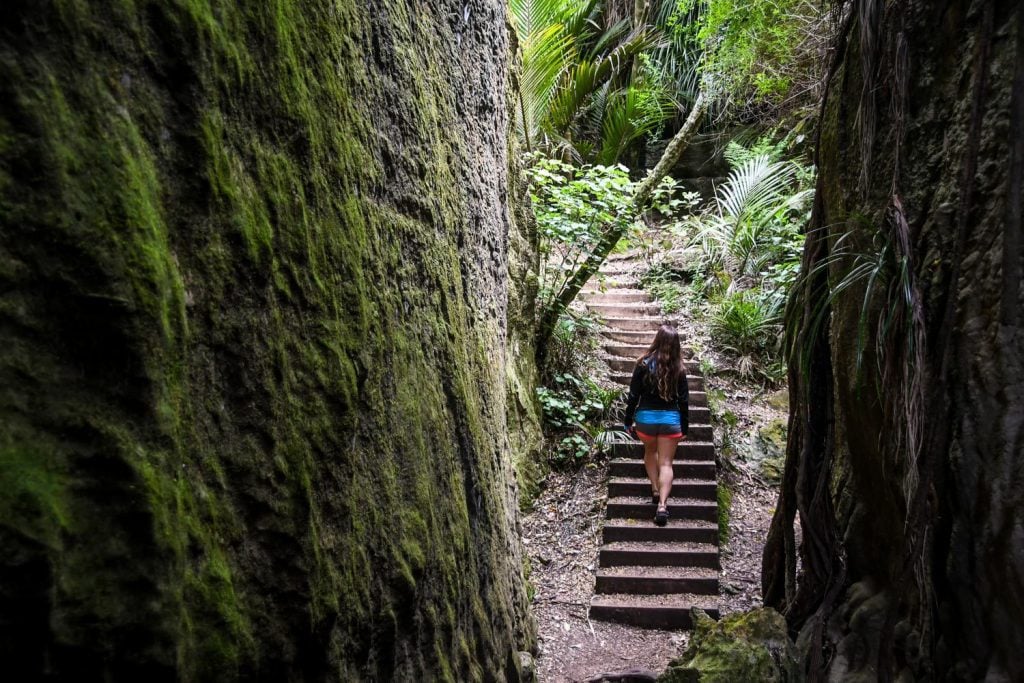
pixel 643 393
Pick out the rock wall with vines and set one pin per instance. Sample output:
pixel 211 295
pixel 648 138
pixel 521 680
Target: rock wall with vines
pixel 907 356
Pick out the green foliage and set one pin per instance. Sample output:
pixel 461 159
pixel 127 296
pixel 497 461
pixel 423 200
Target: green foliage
pixel 667 286
pixel 756 52
pixel 741 256
pixel 758 215
pixel 574 208
pixel 575 411
pixel 670 200
pixel 743 324
pixel 573 347
pixel 574 407
pixel 593 84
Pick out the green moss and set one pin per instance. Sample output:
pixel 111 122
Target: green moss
pixel 32 493
pixel 724 495
pixel 747 646
pixel 280 410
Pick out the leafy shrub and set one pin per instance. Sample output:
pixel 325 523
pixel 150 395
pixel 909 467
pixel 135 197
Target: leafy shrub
pixel 741 255
pixel 743 324
pixel 764 57
pixel 574 208
pixel 667 286
pixel 575 411
pixel 573 346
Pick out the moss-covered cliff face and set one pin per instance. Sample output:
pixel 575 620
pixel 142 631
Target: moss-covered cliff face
pixel 256 339
pixel 904 460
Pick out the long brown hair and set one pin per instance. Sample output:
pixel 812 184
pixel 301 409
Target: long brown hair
pixel 668 361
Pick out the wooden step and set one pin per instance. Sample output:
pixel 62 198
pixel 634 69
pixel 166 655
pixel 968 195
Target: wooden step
pixel 628 363
pixel 616 296
pixel 687 469
pixel 641 508
pixel 692 367
pixel 633 324
pixel 624 310
pixel 656 581
pixel 703 489
pixel 660 612
pixel 622 350
pixel 676 531
pixel 696 432
pixel 626 553
pixel 686 450
pixel 612 281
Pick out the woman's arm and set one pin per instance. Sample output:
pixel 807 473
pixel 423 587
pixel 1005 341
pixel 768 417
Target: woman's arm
pixel 635 387
pixel 683 401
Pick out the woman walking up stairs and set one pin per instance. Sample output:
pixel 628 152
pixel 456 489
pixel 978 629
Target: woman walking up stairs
pixel 653 568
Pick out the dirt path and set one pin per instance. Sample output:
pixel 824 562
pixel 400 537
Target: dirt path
pixel 562 534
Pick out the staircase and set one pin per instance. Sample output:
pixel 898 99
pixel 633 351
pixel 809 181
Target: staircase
pixel 651 576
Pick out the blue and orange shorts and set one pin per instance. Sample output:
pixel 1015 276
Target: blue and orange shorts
pixel 653 431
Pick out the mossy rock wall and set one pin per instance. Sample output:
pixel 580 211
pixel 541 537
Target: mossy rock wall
pixel 259 344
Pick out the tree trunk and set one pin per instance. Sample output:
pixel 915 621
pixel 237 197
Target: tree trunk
pixel 905 458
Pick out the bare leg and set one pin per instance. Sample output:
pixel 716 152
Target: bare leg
pixel 651 460
pixel 666 451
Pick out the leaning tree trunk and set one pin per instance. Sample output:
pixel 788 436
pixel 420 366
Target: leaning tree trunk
pixel 907 367
pixel 676 146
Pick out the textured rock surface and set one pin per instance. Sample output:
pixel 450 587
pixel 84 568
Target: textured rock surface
pixel 259 347
pixel 908 482
pixel 749 646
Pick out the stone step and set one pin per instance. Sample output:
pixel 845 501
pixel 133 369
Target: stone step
pixel 656 580
pixel 633 324
pixel 686 450
pixel 703 489
pixel 642 508
pixel 645 531
pixel 637 296
pixel 667 612
pixel 690 469
pixel 625 310
pixel 626 553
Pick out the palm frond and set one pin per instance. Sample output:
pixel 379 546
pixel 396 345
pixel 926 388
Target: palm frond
pixel 754 187
pixel 587 75
pixel 629 116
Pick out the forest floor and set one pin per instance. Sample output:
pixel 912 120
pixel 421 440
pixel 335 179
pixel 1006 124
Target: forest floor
pixel 562 530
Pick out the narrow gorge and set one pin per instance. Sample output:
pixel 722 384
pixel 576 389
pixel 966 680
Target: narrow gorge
pixel 315 317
